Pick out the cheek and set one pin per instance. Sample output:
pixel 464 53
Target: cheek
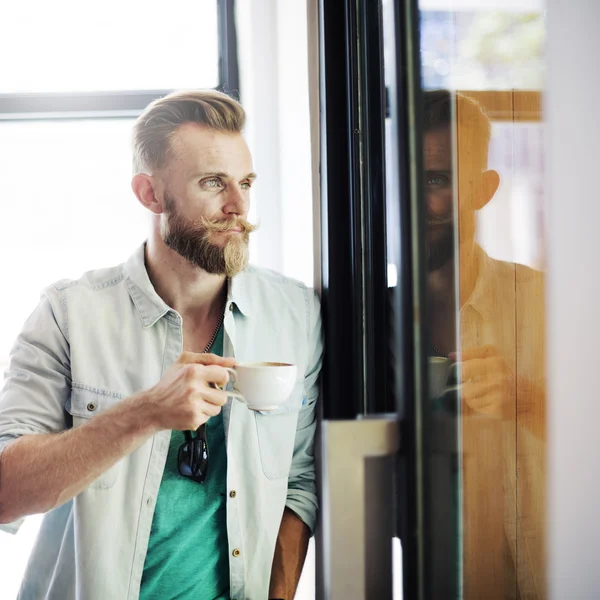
pixel 439 202
pixel 466 227
pixel 198 204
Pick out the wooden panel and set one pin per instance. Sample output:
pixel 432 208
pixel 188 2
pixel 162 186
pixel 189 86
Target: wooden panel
pixel 531 436
pixel 504 462
pixel 531 398
pixel 488 441
pixel 526 104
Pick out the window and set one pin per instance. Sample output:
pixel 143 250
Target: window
pixel 68 46
pixel 113 58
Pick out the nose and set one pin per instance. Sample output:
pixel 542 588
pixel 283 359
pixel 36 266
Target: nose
pixel 236 202
pixel 439 202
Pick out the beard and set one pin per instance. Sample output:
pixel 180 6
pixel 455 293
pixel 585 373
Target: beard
pixel 440 250
pixel 192 241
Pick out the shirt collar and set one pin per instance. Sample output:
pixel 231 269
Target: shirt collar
pixel 151 307
pixel 238 293
pixel 488 286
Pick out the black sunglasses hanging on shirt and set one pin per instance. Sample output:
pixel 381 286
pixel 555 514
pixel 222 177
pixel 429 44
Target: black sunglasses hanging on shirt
pixel 192 460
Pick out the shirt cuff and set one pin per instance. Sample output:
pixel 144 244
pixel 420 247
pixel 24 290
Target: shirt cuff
pixel 304 504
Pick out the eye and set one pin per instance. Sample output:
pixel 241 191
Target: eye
pixel 246 185
pixel 212 183
pixel 437 180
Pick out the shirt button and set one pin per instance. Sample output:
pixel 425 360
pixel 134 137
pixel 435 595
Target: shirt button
pixel 231 306
pixel 148 501
pixel 232 494
pixel 91 406
pixel 236 552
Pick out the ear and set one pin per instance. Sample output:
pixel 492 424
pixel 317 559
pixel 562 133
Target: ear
pixel 489 183
pixel 144 187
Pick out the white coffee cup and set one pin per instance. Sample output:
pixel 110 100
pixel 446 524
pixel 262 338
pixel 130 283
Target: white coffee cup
pixel 262 385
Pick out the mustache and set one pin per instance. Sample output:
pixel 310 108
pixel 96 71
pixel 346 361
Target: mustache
pixel 221 225
pixel 441 220
pixel 441 223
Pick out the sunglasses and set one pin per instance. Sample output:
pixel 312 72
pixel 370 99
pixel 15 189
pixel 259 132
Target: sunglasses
pixel 192 460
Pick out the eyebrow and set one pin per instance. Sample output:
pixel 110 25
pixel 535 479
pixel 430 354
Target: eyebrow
pixel 223 175
pixel 439 171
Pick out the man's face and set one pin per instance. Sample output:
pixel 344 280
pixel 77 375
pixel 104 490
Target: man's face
pixel 474 185
pixel 206 197
pixel 439 198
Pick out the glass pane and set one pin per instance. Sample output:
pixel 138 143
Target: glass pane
pixel 67 46
pixel 483 67
pixel 475 49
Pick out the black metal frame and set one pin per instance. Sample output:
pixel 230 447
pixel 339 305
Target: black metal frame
pixel 126 103
pixel 360 314
pixel 373 93
pixel 229 76
pixel 353 208
pixel 410 310
pixel 341 291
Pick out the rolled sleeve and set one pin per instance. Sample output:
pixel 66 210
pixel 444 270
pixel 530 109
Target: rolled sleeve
pixel 37 382
pixel 302 487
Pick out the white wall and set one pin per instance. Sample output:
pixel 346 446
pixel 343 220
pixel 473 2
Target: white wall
pixel 574 295
pixel 272 50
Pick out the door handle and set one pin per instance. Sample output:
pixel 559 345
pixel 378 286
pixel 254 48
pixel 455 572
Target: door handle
pixel 357 508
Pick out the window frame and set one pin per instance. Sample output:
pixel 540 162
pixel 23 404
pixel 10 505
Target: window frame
pixel 122 103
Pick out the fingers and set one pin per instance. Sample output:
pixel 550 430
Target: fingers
pixel 209 375
pixel 205 404
pixel 210 401
pixel 214 396
pixel 210 409
pixel 214 374
pixel 486 398
pixel 478 395
pixel 477 369
pixel 205 359
pixel 473 353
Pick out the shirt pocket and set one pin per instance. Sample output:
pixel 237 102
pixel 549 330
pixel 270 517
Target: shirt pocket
pixel 276 432
pixel 85 403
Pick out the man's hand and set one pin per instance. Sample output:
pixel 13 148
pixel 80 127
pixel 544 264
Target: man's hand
pixel 40 472
pixel 487 382
pixel 188 394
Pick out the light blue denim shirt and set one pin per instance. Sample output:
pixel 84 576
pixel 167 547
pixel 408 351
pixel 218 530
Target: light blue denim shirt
pixel 93 342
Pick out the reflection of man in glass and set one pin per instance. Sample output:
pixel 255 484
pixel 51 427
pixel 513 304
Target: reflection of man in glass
pixel 497 343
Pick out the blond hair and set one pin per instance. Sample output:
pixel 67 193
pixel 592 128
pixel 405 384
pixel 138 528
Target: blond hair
pixel 155 127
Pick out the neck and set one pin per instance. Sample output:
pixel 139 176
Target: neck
pixel 469 270
pixel 195 294
pixel 441 283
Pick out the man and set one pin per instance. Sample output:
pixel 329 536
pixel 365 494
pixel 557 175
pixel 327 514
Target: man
pixel 110 370
pixel 498 341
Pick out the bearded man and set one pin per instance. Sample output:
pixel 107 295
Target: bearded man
pixel 113 417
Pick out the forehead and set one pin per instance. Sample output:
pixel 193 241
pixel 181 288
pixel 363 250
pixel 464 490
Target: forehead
pixel 438 149
pixel 196 147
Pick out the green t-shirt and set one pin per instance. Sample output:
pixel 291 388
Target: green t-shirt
pixel 188 554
